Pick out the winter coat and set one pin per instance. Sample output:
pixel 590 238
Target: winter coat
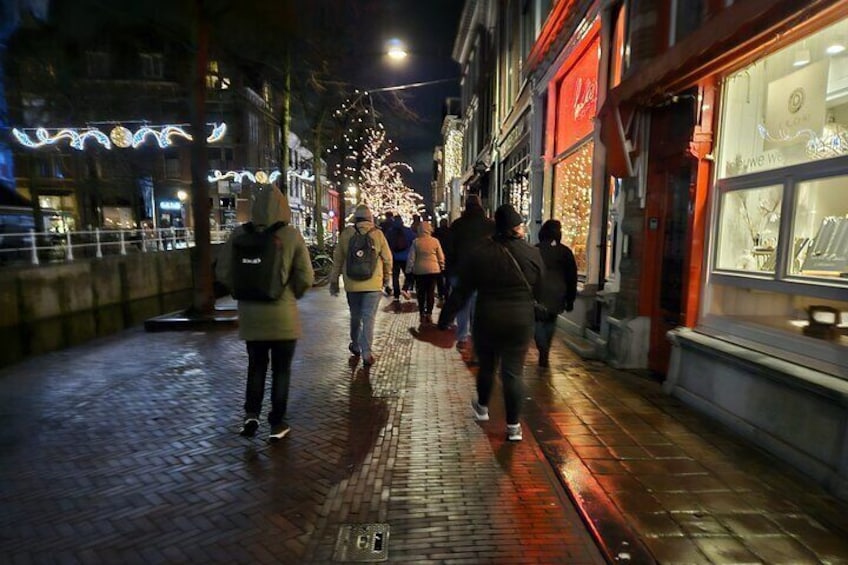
pixel 382 272
pixel 425 256
pixel 559 287
pixel 402 255
pixel 504 308
pixel 277 320
pixel 466 233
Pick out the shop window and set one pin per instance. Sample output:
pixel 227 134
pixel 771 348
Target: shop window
pixel 788 108
pixel 749 223
pixel 117 218
pixel 573 200
pixel 820 229
pixel 780 244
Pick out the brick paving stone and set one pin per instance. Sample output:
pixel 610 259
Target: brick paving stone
pixel 125 450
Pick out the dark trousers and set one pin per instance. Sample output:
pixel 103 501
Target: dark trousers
pixel 426 285
pixel 282 353
pixel 397 269
pixel 544 334
pixel 511 358
pixel 443 286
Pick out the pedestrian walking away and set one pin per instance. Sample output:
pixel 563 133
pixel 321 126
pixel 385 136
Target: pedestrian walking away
pixel 426 262
pixel 400 239
pixel 559 285
pixel 269 325
pixel 363 293
pixel 500 271
pixel 466 234
pixel 442 233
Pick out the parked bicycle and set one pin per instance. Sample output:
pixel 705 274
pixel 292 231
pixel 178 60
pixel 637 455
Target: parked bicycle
pixel 322 263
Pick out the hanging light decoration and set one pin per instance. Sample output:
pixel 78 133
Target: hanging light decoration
pixel 120 136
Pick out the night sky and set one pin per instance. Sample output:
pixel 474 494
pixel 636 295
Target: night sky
pixel 429 29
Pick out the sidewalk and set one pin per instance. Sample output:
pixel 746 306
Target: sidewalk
pixel 125 450
pixel 646 469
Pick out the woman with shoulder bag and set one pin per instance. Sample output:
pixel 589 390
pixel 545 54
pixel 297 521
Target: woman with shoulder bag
pixel 506 273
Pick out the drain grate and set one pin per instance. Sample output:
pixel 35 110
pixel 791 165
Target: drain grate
pixel 362 543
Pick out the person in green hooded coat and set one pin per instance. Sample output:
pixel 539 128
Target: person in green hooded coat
pixel 270 328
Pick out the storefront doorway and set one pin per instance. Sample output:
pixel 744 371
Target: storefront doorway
pixel 668 224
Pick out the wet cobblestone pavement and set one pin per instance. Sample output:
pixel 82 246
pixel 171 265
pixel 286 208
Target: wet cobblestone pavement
pixel 125 450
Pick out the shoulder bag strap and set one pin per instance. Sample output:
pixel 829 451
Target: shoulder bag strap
pixel 520 272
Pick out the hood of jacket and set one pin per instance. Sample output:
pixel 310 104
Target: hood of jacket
pixel 269 205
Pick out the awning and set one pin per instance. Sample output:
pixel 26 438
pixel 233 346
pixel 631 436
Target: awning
pixel 618 134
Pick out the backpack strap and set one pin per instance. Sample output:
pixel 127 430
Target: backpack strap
pixel 275 226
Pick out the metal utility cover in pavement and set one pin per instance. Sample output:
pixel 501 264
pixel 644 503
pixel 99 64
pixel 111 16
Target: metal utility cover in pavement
pixel 362 543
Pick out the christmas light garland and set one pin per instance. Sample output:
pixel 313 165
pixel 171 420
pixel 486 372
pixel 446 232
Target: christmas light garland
pixel 119 136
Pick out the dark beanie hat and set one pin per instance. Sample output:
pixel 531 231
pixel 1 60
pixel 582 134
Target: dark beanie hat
pixel 507 218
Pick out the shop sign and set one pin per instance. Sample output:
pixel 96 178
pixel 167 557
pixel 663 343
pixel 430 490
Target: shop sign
pixel 170 205
pixel 796 105
pixel 577 99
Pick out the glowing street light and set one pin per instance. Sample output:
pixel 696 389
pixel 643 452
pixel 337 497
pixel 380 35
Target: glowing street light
pixel 396 50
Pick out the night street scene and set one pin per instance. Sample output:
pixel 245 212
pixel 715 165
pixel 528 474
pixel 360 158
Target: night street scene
pixel 424 281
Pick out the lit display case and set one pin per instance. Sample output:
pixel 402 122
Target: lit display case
pixel 778 254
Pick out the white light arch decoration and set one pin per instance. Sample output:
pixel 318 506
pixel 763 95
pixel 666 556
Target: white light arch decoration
pixel 259 177
pixel 163 134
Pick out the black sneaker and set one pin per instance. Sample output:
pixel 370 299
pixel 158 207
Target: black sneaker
pixel 278 432
pixel 353 350
pixel 249 427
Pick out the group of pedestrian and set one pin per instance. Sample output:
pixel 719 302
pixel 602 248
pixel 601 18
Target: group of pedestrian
pixel 490 280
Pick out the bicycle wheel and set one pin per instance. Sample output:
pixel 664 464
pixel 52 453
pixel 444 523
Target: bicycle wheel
pixel 322 265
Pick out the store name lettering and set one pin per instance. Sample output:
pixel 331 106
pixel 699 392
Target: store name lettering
pixel 585 94
pixel 792 124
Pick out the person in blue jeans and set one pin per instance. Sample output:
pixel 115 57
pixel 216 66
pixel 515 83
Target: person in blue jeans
pixel 363 296
pixel 400 239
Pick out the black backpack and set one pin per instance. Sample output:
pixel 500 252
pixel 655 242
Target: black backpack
pixel 361 259
pixel 397 239
pixel 257 258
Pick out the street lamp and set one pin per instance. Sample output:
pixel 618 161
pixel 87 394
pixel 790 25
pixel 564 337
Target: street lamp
pixel 396 50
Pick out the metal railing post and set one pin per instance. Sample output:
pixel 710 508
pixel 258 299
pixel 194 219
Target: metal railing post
pixel 99 253
pixel 34 246
pixel 123 244
pixel 173 239
pixel 69 251
pixel 161 243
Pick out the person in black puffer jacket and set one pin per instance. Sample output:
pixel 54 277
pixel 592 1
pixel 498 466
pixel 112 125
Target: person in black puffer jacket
pixel 465 234
pixel 559 287
pixel 504 321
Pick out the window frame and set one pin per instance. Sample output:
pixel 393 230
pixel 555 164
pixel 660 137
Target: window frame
pixel 781 280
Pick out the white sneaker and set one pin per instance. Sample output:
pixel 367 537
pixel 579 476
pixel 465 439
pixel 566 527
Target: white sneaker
pixel 513 432
pixel 481 413
pixel 278 432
